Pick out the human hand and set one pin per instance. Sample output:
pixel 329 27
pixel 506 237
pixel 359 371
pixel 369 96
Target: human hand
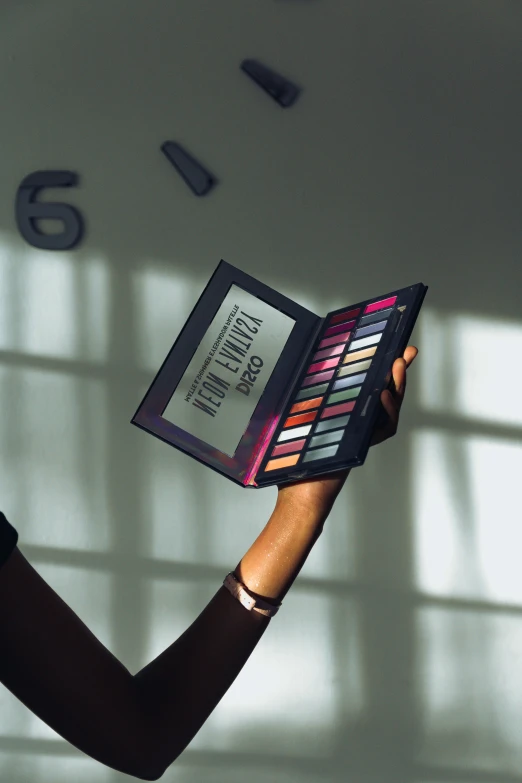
pixel 392 398
pixel 317 495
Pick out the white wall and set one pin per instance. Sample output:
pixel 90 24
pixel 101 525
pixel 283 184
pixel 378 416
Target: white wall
pixel 397 654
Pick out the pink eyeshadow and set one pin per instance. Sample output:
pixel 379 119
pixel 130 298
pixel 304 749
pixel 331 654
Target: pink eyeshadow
pixel 339 328
pixel 335 410
pixel 323 376
pixel 371 308
pixel 335 319
pixel 328 352
pixel 288 448
pixel 323 365
pixel 340 338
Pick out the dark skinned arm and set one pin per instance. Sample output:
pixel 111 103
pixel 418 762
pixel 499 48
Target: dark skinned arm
pixel 140 724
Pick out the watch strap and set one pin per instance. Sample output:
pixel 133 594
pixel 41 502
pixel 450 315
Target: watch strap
pixel 239 591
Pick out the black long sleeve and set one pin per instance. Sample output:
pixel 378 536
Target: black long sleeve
pixel 8 539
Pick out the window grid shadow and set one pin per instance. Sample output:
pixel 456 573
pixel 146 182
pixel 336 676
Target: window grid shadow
pixel 119 377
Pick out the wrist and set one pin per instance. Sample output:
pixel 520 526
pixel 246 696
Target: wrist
pixel 311 500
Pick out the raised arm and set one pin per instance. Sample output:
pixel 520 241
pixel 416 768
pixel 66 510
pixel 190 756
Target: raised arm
pixel 197 670
pixel 139 725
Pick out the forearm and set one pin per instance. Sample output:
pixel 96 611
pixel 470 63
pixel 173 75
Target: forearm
pixel 183 685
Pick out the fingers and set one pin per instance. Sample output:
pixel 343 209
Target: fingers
pixel 409 354
pixel 392 408
pixel 399 379
pixel 391 399
pixel 399 373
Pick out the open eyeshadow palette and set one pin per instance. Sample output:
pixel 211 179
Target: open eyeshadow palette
pixel 266 392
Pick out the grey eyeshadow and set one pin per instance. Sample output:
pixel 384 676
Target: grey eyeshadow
pixel 311 392
pixel 328 437
pixel 329 451
pixel 332 424
pixel 370 319
pixel 372 329
pixel 351 380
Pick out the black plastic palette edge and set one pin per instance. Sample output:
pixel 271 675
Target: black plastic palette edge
pixel 294 359
pixel 355 442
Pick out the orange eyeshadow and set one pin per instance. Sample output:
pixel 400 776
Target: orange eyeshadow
pixel 306 405
pixel 302 419
pixel 282 462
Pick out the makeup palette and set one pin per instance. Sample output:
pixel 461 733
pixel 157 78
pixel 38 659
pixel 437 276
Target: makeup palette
pixel 265 392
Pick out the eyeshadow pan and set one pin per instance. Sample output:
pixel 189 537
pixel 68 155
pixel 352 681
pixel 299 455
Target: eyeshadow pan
pixel 354 357
pixel 348 394
pixel 288 448
pixel 339 338
pixel 325 365
pixel 333 351
pixel 317 392
pixel 351 380
pixel 282 462
pixel 314 426
pixel 331 424
pixel 351 368
pixel 371 308
pixel 306 405
pixel 371 329
pixel 371 340
pixel 334 410
pixel 328 437
pixel 304 393
pixel 322 376
pixel 329 451
pixel 297 432
pixel 303 418
pixel 339 328
pixel 370 319
pixel 335 319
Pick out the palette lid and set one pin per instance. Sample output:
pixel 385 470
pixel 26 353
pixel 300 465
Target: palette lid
pixel 220 391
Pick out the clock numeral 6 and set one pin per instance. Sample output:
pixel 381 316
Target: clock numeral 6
pixel 28 211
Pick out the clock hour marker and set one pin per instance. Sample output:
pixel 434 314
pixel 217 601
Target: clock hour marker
pixel 199 180
pixel 29 211
pixel 280 89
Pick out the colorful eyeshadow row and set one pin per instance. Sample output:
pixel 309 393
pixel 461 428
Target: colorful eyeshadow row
pixel 320 412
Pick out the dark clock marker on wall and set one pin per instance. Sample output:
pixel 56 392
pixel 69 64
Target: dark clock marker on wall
pixel 28 211
pixel 199 180
pixel 280 89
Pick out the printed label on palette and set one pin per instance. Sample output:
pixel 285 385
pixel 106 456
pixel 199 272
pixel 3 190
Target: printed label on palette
pixel 222 385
